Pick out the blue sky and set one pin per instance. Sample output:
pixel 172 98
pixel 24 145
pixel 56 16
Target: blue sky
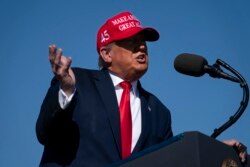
pixel 214 29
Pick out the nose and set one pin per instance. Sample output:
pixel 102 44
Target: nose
pixel 141 46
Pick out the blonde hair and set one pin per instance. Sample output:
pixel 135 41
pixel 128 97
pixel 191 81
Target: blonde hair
pixel 101 62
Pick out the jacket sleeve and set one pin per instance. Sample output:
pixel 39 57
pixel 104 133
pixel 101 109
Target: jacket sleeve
pixel 52 121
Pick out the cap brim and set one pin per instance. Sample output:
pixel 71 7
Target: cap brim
pixel 150 34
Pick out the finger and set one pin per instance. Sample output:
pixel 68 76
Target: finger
pixel 52 48
pixel 65 65
pixel 68 63
pixel 243 157
pixel 242 147
pixel 52 53
pixel 56 63
pixel 243 154
pixel 58 56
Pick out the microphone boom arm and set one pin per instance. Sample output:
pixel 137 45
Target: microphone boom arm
pixel 243 103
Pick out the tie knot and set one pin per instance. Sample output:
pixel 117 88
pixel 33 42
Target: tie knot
pixel 125 85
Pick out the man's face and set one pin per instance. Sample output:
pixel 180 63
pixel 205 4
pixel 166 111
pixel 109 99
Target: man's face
pixel 129 58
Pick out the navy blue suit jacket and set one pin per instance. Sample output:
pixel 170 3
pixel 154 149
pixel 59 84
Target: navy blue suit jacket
pixel 86 133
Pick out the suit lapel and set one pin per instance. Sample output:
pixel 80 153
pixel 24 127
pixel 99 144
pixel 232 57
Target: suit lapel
pixel 106 89
pixel 145 109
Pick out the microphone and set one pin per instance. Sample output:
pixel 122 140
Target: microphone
pixel 195 65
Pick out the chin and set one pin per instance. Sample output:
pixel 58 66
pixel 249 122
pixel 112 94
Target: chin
pixel 140 73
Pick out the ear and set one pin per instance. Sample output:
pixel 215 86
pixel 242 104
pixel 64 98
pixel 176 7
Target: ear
pixel 105 54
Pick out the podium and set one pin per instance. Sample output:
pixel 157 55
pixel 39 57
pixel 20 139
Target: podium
pixel 189 149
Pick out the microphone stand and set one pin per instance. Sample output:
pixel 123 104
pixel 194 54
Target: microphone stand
pixel 243 104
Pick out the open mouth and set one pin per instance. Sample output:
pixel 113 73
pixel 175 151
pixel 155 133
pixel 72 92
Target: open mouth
pixel 141 58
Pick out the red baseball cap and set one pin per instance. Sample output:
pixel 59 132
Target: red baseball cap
pixel 122 26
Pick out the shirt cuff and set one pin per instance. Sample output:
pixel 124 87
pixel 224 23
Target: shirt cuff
pixel 65 100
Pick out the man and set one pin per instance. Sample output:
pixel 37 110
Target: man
pixel 95 117
pixel 79 122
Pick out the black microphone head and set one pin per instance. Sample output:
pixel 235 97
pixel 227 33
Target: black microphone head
pixel 190 64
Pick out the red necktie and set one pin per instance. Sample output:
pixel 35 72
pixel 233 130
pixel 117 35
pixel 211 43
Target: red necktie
pixel 125 120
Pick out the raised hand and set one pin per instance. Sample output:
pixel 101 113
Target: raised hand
pixel 60 65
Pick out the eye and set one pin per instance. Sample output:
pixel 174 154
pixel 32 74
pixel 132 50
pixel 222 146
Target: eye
pixel 135 42
pixel 132 43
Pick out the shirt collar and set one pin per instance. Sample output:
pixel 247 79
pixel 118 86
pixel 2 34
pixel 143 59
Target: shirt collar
pixel 117 80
